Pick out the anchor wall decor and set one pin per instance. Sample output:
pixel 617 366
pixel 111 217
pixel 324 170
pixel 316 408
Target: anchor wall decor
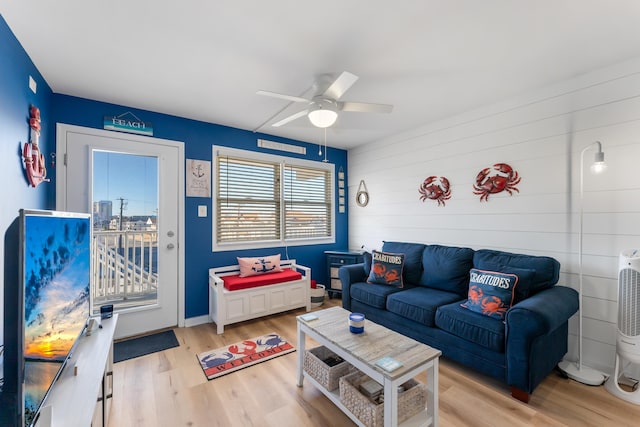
pixel 34 163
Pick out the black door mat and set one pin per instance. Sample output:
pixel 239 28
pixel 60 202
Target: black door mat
pixel 136 347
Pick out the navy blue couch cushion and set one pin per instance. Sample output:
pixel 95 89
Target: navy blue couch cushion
pixel 471 326
pixel 419 304
pixel 372 294
pixel 447 268
pixel 366 262
pixel 412 258
pixel 547 269
pixel 525 279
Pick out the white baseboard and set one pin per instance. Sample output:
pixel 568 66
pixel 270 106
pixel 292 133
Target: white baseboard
pixel 195 321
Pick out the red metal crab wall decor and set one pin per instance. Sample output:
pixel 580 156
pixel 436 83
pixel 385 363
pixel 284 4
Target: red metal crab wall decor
pixel 435 188
pixel 505 179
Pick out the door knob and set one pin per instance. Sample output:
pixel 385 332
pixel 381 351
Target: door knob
pixel 170 233
pixel 171 246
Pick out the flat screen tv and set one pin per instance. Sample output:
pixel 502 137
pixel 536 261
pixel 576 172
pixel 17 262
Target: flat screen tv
pixel 55 270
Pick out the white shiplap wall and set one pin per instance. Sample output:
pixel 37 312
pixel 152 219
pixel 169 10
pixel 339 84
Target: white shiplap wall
pixel 541 134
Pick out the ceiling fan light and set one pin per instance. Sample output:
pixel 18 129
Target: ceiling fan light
pixel 323 114
pixel 322 118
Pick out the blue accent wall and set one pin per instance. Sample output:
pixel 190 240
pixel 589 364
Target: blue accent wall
pixel 15 100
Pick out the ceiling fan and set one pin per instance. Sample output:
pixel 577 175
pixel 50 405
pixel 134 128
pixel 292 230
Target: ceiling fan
pixel 322 109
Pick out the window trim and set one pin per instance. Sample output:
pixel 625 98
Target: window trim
pixel 283 161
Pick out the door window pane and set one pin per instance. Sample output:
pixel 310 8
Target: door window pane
pixel 125 219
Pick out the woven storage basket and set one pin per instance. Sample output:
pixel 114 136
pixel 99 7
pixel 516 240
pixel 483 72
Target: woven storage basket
pixel 327 376
pixel 410 402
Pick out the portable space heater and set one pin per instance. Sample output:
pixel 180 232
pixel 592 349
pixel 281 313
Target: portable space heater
pixel 628 337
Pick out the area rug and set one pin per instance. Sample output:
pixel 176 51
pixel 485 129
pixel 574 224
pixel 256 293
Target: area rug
pixel 141 346
pixel 243 354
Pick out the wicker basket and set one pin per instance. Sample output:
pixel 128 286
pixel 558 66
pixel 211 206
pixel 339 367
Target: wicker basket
pixel 327 376
pixel 410 402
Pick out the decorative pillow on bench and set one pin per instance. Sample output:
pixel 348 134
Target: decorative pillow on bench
pixel 259 265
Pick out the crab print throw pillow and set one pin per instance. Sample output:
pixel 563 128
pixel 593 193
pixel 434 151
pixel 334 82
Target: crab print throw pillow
pixel 386 269
pixel 491 293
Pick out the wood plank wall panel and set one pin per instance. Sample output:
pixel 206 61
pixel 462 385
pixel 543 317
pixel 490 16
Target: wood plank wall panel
pixel 541 134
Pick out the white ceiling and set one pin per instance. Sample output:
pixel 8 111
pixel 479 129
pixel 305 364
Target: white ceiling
pixel 431 59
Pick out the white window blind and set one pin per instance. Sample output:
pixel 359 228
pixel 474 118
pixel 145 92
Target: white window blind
pixel 248 200
pixel 307 201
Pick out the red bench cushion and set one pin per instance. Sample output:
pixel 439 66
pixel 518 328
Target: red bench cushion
pixel 235 282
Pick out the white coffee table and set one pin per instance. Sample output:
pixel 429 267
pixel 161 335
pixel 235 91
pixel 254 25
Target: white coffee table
pixel 331 329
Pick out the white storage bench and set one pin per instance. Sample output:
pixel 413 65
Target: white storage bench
pixel 231 306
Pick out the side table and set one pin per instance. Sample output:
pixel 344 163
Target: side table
pixel 335 260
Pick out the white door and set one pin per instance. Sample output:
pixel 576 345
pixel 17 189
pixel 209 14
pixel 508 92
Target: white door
pixel 134 187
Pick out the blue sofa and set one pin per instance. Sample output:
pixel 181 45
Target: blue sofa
pixel 520 350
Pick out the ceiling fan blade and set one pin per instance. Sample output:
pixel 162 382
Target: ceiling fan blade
pixel 340 85
pixel 362 107
pixel 282 96
pixel 291 118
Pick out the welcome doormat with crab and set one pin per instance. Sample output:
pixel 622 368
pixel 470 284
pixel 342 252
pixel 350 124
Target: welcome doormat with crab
pixel 243 354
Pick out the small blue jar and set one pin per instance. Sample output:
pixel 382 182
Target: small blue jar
pixel 356 323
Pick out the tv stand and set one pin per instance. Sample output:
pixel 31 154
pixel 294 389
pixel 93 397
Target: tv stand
pixel 82 394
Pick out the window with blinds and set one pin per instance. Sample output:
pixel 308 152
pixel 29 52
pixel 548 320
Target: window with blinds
pixel 307 202
pixel 248 200
pixel 267 198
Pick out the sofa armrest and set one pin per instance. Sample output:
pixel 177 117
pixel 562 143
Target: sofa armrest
pixel 542 312
pixel 348 274
pixel 536 335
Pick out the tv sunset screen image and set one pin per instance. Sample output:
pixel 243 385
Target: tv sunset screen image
pixel 57 265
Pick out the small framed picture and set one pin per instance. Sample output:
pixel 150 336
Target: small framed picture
pixel 198 178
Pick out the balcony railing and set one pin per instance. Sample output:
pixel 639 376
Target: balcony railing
pixel 125 268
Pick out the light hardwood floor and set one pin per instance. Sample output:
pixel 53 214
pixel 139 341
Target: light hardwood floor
pixel 168 389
